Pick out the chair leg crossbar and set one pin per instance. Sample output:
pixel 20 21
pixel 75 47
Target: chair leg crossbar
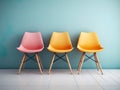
pixel 82 60
pixel 89 58
pixel 27 57
pixel 60 58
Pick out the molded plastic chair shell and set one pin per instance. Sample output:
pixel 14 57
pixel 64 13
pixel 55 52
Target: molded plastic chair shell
pixel 31 42
pixel 60 42
pixel 88 42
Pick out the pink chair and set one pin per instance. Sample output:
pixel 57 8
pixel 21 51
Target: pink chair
pixel 32 43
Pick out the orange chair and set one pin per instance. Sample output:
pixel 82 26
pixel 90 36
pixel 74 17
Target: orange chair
pixel 89 43
pixel 60 43
pixel 32 43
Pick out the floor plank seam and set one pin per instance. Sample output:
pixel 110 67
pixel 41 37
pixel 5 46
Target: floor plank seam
pixel 96 80
pixel 114 79
pixel 49 82
pixel 76 82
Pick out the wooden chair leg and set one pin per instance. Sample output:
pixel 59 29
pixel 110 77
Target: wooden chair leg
pixel 98 63
pixel 37 58
pixel 81 62
pixel 51 63
pixel 69 63
pixel 24 63
pixel 40 62
pixel 23 59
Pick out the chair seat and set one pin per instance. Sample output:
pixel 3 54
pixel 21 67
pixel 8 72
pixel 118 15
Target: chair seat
pixel 25 50
pixel 90 50
pixel 52 49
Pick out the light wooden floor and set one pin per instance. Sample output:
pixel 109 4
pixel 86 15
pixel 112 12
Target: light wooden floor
pixel 59 79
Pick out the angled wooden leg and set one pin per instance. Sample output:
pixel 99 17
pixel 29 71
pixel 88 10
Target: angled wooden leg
pixel 81 62
pixel 98 63
pixel 24 57
pixel 69 63
pixel 24 63
pixel 40 62
pixel 37 58
pixel 51 63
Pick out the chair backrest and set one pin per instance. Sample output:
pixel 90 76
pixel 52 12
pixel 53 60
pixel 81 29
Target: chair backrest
pixel 32 40
pixel 60 40
pixel 88 40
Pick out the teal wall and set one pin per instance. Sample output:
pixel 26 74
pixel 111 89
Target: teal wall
pixel 47 16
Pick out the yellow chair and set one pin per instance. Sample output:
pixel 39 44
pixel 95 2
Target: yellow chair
pixel 89 43
pixel 60 43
